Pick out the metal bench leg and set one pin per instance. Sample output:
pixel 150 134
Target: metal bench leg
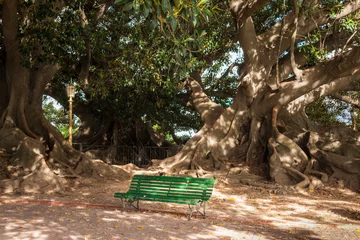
pixel 129 203
pixel 204 215
pixel 137 205
pixel 191 211
pixel 123 204
pixel 198 207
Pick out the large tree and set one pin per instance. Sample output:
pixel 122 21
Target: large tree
pixel 116 62
pixel 38 39
pixel 294 53
pixel 133 63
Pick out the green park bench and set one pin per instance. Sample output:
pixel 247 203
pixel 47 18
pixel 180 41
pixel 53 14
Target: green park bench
pixel 171 189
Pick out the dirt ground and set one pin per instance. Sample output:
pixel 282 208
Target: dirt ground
pixel 236 210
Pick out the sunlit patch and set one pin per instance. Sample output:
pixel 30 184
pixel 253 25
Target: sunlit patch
pixel 37 151
pixel 109 219
pixel 212 141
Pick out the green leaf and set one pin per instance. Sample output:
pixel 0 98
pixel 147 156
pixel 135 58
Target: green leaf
pixel 165 5
pixel 195 21
pixel 202 2
pixel 173 24
pixel 136 5
pixel 202 34
pixel 145 10
pixel 189 40
pixel 120 1
pixel 153 24
pixel 128 6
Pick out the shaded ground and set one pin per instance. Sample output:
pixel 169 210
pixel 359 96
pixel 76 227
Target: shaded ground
pixel 235 211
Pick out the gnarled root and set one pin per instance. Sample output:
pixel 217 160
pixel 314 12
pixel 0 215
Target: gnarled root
pixel 310 171
pixel 295 173
pixel 282 173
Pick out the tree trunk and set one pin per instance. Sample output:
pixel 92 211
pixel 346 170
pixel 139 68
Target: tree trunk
pixel 39 157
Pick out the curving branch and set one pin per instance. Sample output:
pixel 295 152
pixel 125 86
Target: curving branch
pixel 305 26
pixel 332 42
pixel 347 99
pixel 103 8
pixel 41 77
pixel 340 67
pixel 85 61
pixel 296 71
pixel 340 84
pixel 243 9
pixel 208 109
pixel 249 42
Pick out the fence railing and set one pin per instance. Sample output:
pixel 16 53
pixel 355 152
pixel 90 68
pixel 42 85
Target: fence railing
pixel 138 155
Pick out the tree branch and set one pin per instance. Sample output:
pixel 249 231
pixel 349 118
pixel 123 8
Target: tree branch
pixel 244 9
pixel 208 109
pixel 86 59
pixel 340 67
pixel 305 26
pixel 347 99
pixel 296 71
pixel 103 8
pixel 339 84
pixel 332 42
pixel 248 41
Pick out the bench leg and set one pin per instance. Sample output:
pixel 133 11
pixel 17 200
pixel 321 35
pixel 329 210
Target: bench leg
pixel 203 205
pixel 191 211
pixel 130 203
pixel 123 201
pixel 197 209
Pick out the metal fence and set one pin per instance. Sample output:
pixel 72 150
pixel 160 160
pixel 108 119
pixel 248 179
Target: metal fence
pixel 138 155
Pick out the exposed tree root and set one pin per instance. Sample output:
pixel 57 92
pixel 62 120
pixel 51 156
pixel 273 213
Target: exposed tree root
pixel 305 179
pixel 34 168
pixel 338 166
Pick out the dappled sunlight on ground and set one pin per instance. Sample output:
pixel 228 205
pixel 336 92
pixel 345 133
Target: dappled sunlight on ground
pixel 37 221
pixel 235 211
pixel 20 221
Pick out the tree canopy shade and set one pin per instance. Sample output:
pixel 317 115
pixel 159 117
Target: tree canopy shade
pixel 137 64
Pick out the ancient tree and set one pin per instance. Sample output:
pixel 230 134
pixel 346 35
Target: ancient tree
pixel 38 39
pixel 266 125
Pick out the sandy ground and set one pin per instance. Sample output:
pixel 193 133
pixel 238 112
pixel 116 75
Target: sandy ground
pixel 235 211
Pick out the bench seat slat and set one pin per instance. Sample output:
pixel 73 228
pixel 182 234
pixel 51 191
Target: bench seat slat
pixel 164 189
pixel 174 193
pixel 171 194
pixel 156 198
pixel 172 178
pixel 184 185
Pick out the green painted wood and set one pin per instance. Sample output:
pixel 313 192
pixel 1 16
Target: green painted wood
pixel 182 190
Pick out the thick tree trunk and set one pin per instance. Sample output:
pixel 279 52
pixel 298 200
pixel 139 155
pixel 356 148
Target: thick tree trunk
pixel 39 158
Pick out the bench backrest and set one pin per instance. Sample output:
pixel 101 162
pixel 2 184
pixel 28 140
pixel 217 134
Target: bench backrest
pixel 172 188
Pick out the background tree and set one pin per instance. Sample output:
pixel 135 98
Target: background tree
pixel 38 39
pixel 132 65
pixel 46 44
